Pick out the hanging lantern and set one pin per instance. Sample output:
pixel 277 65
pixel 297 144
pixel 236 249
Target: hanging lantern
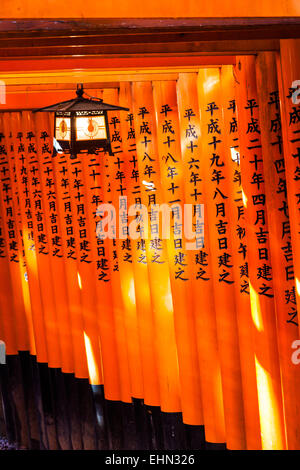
pixel 81 124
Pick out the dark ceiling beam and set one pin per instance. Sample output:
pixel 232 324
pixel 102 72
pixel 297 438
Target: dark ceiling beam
pixel 137 38
pixel 131 50
pixel 207 28
pixel 125 37
pixel 43 27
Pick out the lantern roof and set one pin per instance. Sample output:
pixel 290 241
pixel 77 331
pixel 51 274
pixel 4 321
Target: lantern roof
pixel 81 104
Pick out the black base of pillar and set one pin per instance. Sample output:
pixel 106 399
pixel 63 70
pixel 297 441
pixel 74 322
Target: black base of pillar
pixel 44 408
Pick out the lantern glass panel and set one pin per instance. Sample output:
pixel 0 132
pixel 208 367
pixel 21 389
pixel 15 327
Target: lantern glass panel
pixel 90 128
pixel 63 128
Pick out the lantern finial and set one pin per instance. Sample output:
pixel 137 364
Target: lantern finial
pixel 79 91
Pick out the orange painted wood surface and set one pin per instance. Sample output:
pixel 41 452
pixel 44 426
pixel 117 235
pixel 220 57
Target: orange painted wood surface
pixel 258 248
pixel 155 9
pixel 205 330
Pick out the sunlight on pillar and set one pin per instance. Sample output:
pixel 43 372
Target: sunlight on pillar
pixel 168 301
pixel 271 437
pixel 30 253
pixel 255 309
pixel 235 156
pixel 79 280
pixel 27 308
pixel 131 291
pixel 91 361
pixel 245 199
pixel 297 285
pixel 210 83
